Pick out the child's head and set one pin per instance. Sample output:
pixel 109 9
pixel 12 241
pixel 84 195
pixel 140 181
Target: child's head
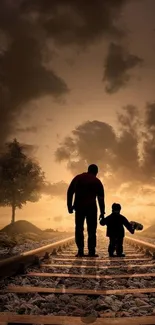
pixel 116 207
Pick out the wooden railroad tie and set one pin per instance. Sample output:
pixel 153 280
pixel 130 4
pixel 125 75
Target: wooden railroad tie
pixel 100 260
pixel 89 276
pixel 28 289
pixel 125 266
pixel 6 318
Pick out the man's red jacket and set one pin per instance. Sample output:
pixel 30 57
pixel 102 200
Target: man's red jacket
pixel 86 187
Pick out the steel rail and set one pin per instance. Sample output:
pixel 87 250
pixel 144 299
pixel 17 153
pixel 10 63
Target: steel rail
pixel 97 266
pixel 12 265
pixel 147 247
pixel 94 292
pixel 90 276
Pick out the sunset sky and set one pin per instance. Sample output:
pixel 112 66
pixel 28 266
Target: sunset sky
pixel 77 86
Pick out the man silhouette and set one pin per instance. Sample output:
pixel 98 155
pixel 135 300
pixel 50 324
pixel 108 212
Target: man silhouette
pixel 86 187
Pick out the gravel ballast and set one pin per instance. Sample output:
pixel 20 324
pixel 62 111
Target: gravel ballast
pixel 127 305
pixel 79 305
pixel 18 249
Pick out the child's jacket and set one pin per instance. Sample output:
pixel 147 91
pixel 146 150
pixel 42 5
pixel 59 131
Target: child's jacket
pixel 115 223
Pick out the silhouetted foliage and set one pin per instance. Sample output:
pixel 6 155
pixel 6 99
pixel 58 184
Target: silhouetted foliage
pixel 49 230
pixel 21 178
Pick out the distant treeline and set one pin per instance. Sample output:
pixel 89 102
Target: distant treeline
pixel 50 230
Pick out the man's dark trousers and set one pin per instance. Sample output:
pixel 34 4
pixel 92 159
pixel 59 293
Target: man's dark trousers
pixel 115 243
pixel 91 219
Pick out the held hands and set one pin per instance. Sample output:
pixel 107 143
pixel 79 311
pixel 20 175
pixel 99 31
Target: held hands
pixel 102 215
pixel 101 219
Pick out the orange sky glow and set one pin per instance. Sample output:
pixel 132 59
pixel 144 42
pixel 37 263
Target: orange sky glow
pixel 89 122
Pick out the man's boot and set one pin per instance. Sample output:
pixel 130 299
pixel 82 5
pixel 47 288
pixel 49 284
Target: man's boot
pixel 92 253
pixel 80 253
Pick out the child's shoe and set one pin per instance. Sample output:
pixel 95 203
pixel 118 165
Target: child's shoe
pixel 112 255
pixel 121 255
pixel 92 253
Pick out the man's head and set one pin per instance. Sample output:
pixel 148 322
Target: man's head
pixel 116 207
pixel 93 169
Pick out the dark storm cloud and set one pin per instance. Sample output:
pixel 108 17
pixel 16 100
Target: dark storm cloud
pixel 27 26
pixel 117 155
pixel 63 152
pixel 58 189
pixel 98 141
pixel 79 166
pixel 150 116
pixel 90 132
pixel 149 141
pixel 118 63
pixel 127 143
pixel 76 21
pixel 23 76
pixel 128 118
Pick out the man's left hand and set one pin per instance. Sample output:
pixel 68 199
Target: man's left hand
pixel 71 209
pixel 101 219
pixel 102 215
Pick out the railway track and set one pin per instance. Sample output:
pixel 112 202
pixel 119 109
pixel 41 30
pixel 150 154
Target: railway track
pixel 50 286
